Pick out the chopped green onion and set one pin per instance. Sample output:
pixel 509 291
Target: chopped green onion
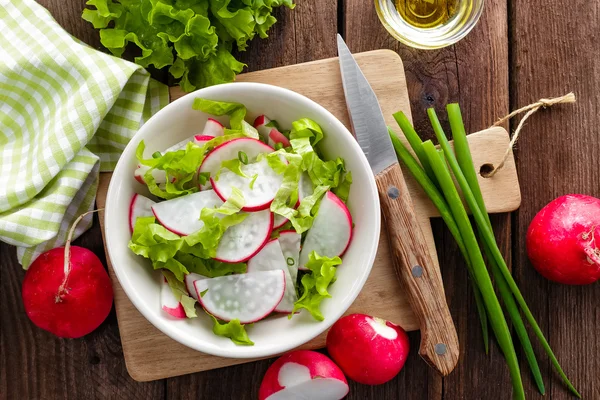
pixel 157 154
pixel 254 177
pixel 243 157
pixel 203 177
pixel 290 261
pixel 202 293
pixel 278 146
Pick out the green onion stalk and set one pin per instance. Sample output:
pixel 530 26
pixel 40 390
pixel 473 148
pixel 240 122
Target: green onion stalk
pixel 433 174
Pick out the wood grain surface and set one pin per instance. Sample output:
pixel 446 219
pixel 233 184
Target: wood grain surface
pixel 521 50
pixel 150 355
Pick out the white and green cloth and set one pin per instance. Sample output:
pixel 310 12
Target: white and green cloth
pixel 67 111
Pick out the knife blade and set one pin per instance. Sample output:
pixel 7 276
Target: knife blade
pixel 413 263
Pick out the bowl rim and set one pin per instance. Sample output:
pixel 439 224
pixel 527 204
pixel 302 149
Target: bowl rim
pixel 242 352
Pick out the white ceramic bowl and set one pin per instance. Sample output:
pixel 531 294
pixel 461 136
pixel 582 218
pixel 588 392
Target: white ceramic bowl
pixel 178 121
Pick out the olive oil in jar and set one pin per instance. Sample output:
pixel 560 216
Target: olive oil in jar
pixel 426 13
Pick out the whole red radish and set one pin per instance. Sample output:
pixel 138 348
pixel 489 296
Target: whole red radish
pixel 563 240
pixel 67 291
pixel 369 350
pixel 303 374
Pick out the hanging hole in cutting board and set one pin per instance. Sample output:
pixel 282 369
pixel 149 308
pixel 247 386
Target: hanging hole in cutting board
pixel 486 169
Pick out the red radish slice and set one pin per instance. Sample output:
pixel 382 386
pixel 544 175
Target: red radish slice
pixel 213 128
pixel 242 241
pixel 290 247
pixel 189 283
pixel 159 175
pixel 168 301
pixel 140 206
pixel 369 350
pixel 331 231
pixel 270 258
pixel 260 124
pixel 305 186
pixel 279 221
pixel 303 374
pixel 248 297
pixel 181 215
pixel 230 150
pixel 277 137
pixel 201 140
pixel 263 191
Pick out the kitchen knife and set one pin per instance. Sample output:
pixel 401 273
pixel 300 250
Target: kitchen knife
pixel 413 264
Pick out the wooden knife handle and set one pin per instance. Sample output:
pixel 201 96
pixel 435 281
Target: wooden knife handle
pixel 417 273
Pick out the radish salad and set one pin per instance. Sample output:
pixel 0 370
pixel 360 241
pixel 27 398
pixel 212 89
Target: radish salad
pixel 245 222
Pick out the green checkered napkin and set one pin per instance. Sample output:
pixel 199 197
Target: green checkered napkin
pixel 67 112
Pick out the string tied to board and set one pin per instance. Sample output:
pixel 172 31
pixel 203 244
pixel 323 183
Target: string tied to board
pixel 531 109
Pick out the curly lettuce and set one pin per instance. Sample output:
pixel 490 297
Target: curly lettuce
pixel 194 38
pixel 315 284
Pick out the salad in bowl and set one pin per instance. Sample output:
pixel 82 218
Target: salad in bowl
pixel 247 222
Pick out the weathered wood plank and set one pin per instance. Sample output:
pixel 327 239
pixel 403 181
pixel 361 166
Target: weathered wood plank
pixel 474 72
pixel 555 50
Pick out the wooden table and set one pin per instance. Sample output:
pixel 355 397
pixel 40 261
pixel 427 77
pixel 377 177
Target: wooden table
pixel 520 51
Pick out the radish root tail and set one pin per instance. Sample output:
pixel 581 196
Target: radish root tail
pixel 62 289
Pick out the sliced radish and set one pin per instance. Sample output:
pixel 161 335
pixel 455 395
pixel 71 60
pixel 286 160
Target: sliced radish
pixel 159 175
pixel 230 150
pixel 290 247
pixel 140 206
pixel 260 124
pixel 263 191
pixel 182 214
pixel 201 140
pixel 270 258
pixel 331 231
pixel 279 221
pixel 242 241
pixel 189 283
pixel 305 186
pixel 303 374
pixel 168 301
pixel 277 137
pixel 247 297
pixel 213 128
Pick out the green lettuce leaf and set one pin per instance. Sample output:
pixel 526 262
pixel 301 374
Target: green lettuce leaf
pixel 307 128
pixel 195 38
pixel 343 189
pixel 209 267
pixel 315 284
pixel 232 330
pixel 181 294
pixel 155 242
pixel 321 172
pixel 235 111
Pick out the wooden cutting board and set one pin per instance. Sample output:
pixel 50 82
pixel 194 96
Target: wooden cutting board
pixel 150 355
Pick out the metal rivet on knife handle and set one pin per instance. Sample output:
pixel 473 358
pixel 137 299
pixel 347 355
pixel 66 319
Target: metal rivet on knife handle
pixel 440 349
pixel 393 192
pixel 417 271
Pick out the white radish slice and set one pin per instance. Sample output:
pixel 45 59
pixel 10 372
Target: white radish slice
pixel 240 242
pixel 331 231
pixel 201 140
pixel 305 186
pixel 290 247
pixel 168 301
pixel 260 124
pixel 270 258
pixel 159 175
pixel 213 128
pixel 230 150
pixel 277 137
pixel 189 283
pixel 263 191
pixel 279 221
pixel 247 297
pixel 182 214
pixel 140 206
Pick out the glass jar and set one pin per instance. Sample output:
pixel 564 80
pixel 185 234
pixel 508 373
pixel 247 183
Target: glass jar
pixel 434 32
